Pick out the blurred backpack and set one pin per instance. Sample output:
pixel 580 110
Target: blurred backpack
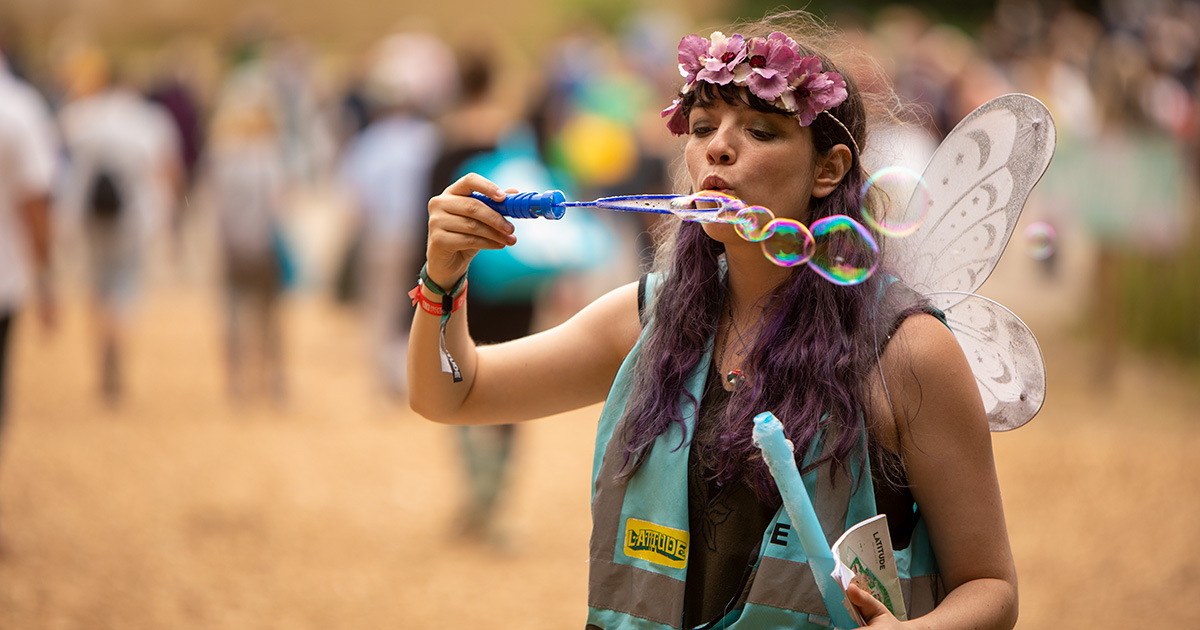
pixel 546 249
pixel 105 201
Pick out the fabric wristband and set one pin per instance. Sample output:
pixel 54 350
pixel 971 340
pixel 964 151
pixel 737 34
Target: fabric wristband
pixel 436 308
pixel 450 302
pixel 457 290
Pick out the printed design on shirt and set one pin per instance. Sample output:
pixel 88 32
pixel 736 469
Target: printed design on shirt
pixel 655 543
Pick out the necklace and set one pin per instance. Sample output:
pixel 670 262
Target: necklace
pixel 735 378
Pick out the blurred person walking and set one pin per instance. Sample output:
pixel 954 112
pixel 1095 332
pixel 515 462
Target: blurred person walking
pixel 474 131
pixel 386 171
pixel 175 87
pixel 27 161
pixel 245 176
pixel 122 175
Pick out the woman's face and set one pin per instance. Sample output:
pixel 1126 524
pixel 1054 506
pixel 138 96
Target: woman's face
pixel 764 159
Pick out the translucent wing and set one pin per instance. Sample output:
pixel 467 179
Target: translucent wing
pixel 1004 356
pixel 978 181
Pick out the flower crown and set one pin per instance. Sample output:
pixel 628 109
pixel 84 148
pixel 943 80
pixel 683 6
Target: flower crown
pixel 772 68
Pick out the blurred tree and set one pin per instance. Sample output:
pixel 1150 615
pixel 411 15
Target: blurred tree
pixel 967 15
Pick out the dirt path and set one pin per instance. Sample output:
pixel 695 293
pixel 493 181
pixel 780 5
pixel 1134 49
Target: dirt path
pixel 179 511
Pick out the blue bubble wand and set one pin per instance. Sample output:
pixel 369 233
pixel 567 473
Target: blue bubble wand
pixel 836 247
pixel 553 205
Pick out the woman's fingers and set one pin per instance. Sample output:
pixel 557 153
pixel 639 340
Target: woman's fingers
pixel 870 608
pixel 461 225
pixel 456 200
pixel 474 182
pixel 455 232
pixel 469 216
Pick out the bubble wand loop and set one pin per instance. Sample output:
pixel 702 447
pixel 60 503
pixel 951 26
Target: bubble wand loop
pixel 837 247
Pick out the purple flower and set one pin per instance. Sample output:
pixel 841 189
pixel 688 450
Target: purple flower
pixel 678 124
pixel 769 62
pixel 723 56
pixel 812 91
pixel 692 50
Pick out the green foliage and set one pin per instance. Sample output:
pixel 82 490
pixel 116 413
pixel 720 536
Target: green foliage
pixel 609 14
pixel 967 15
pixel 1159 301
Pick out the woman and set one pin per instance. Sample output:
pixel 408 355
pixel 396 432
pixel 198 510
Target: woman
pixel 687 526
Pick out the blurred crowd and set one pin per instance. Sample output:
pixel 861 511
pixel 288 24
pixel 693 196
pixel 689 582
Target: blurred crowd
pixel 106 164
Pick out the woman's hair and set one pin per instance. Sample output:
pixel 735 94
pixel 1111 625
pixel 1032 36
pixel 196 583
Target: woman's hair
pixel 814 349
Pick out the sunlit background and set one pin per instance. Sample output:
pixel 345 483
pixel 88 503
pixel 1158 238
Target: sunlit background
pixel 196 452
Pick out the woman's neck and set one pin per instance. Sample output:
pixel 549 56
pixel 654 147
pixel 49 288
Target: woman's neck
pixel 752 280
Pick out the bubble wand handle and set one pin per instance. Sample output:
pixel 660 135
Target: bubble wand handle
pixel 781 461
pixel 529 205
pixel 552 205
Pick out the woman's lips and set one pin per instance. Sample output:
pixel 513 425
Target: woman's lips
pixel 712 182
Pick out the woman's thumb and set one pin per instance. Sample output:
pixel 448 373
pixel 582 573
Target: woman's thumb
pixel 867 605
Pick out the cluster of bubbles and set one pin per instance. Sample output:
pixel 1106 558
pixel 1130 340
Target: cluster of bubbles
pixel 837 248
pixel 896 201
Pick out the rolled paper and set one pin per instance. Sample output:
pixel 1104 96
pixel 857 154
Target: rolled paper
pixel 781 461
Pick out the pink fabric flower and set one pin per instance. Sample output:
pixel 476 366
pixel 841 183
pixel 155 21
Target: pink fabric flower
pixel 771 68
pixel 723 56
pixel 692 50
pixel 677 124
pixel 811 91
pixel 769 63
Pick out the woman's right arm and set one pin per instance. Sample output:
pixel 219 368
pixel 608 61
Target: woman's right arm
pixel 566 367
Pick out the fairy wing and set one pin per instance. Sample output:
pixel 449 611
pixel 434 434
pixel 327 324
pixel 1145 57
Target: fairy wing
pixel 1004 356
pixel 977 180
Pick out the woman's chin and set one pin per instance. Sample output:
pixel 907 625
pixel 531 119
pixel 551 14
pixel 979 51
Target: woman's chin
pixel 721 232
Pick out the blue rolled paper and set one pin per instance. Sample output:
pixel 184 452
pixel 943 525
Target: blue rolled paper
pixel 781 461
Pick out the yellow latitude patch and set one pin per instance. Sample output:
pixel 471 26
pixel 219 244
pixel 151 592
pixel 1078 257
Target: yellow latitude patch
pixel 655 543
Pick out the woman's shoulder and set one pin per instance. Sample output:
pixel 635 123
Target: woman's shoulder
pixel 921 363
pixel 922 351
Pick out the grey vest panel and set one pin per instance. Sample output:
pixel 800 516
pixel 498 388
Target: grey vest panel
pixel 636 592
pixel 621 587
pixel 785 584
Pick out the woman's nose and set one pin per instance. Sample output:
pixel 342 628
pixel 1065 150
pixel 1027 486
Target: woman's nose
pixel 720 150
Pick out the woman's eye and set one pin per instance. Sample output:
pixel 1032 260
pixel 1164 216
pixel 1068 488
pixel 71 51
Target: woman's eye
pixel 701 129
pixel 761 134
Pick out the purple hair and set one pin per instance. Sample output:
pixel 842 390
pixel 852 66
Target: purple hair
pixel 816 346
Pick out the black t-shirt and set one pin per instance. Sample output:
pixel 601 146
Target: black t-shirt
pixel 726 523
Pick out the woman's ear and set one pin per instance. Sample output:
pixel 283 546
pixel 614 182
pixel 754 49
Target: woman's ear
pixel 831 168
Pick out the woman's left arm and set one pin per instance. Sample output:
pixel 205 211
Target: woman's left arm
pixel 946 447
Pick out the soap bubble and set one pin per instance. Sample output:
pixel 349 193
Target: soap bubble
pixel 790 243
pixel 844 253
pixel 1041 239
pixel 896 201
pixel 754 223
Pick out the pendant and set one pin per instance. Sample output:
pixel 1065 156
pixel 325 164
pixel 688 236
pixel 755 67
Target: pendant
pixel 735 379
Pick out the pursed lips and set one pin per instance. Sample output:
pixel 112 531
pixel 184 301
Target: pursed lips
pixel 712 182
